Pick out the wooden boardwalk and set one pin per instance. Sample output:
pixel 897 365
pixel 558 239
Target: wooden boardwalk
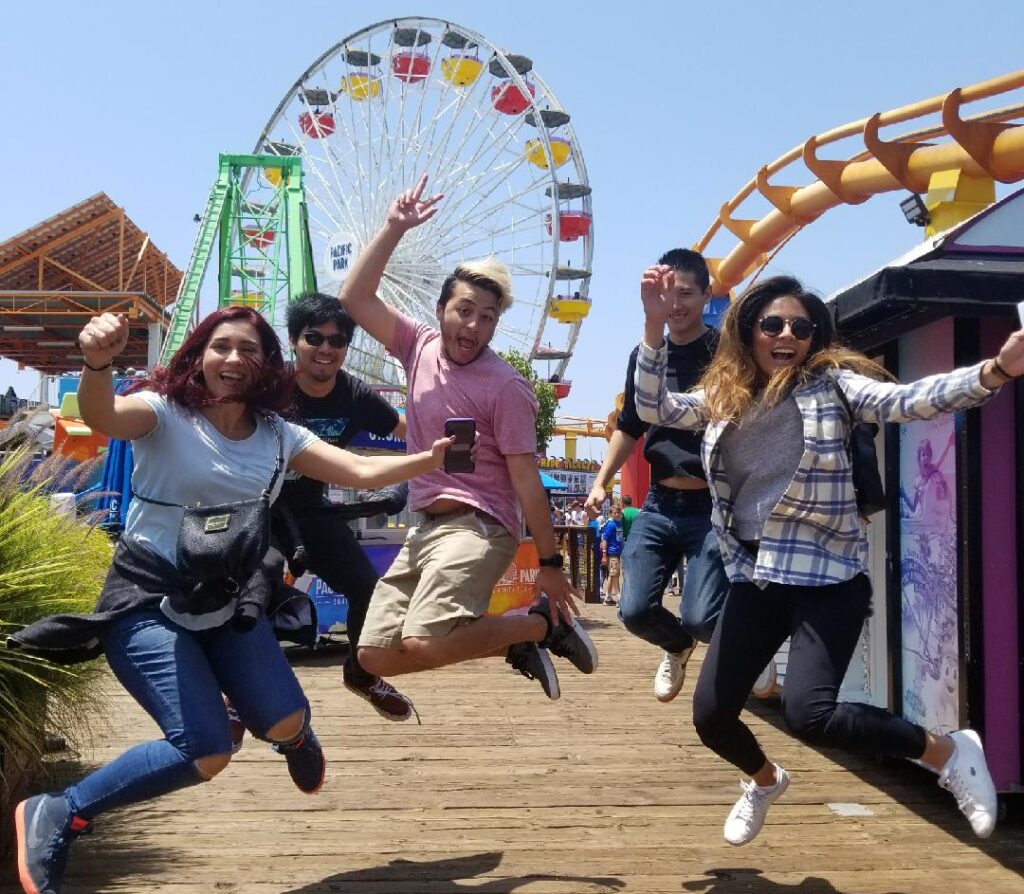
pixel 501 791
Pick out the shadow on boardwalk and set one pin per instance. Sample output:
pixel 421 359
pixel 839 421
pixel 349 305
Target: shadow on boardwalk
pixel 443 877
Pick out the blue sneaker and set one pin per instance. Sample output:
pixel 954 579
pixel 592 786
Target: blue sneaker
pixel 45 827
pixel 306 763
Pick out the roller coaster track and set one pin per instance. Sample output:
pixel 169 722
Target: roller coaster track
pixel 990 144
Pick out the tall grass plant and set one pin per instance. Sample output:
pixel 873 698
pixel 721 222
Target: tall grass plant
pixel 50 563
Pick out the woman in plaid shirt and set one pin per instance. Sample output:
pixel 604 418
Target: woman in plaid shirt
pixel 795 549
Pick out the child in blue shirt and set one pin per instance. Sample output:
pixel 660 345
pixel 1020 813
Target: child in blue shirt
pixel 611 554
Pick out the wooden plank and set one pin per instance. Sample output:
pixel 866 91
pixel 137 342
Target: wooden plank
pixel 503 791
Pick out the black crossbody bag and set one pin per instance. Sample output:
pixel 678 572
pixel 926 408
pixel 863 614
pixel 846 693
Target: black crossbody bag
pixel 867 480
pixel 225 542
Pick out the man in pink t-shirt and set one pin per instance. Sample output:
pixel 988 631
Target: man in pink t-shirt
pixel 429 609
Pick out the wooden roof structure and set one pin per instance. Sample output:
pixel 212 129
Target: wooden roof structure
pixel 90 259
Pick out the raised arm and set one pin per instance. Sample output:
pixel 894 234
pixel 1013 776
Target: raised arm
pixel 333 465
pixel 102 339
pixel 359 291
pixel 654 402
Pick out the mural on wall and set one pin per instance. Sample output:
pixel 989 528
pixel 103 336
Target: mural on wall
pixel 928 572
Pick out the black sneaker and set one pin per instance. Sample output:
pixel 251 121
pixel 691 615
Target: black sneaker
pixel 534 663
pixel 45 827
pixel 569 641
pixel 306 764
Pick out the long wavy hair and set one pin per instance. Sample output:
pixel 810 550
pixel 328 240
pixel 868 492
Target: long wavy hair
pixel 270 388
pixel 733 380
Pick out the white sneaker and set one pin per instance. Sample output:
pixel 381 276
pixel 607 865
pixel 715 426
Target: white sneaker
pixel 966 776
pixel 747 815
pixel 669 679
pixel 764 687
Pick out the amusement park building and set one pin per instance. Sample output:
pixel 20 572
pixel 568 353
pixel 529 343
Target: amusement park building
pixel 946 645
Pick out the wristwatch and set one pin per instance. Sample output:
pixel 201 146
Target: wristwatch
pixel 555 561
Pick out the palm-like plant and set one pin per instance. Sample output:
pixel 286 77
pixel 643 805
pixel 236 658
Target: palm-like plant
pixel 49 564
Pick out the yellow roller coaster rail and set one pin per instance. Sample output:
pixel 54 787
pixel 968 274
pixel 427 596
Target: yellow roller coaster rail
pixel 985 147
pixel 580 427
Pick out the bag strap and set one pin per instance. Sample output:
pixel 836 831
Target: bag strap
pixel 846 404
pixel 278 468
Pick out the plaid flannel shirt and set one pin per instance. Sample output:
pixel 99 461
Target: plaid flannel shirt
pixel 814 535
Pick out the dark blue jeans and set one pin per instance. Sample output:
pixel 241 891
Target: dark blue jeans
pixel 177 676
pixel 671 526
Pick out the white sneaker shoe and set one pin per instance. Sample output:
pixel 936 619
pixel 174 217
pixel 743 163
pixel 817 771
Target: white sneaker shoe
pixel 747 815
pixel 671 675
pixel 764 687
pixel 966 776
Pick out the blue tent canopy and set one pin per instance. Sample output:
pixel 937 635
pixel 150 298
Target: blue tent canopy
pixel 550 483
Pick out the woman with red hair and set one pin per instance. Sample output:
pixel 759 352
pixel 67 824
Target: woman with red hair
pixel 206 432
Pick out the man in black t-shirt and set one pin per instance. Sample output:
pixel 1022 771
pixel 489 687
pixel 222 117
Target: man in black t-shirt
pixel 337 407
pixel 675 520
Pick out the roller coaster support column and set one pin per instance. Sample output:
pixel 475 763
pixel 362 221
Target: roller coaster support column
pixel 954 196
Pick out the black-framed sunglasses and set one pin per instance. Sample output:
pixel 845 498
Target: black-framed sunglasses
pixel 801 327
pixel 314 339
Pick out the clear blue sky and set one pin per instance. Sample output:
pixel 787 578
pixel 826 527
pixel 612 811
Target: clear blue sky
pixel 675 105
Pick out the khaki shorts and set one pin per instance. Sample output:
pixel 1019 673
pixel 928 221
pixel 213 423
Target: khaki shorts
pixel 442 577
pixel 614 565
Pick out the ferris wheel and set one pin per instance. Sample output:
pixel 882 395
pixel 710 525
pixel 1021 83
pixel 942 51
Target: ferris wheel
pixel 419 94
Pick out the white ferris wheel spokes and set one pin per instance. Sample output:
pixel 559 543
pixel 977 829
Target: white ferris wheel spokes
pixel 412 95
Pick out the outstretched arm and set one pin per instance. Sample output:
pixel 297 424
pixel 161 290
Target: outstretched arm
pixel 359 292
pixel 325 462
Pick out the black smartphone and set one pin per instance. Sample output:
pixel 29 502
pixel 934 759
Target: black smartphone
pixel 458 458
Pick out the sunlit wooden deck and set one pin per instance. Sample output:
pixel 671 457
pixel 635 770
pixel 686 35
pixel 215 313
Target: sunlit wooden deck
pixel 500 790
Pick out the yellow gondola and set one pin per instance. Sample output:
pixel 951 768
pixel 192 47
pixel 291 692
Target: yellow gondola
pixel 561 149
pixel 361 87
pixel 569 310
pixel 461 70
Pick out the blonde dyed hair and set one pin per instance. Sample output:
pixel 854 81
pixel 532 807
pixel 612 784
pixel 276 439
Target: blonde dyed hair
pixel 486 273
pixel 733 379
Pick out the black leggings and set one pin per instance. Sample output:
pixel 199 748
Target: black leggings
pixel 824 624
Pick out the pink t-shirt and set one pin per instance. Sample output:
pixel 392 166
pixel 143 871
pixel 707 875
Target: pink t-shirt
pixel 488 390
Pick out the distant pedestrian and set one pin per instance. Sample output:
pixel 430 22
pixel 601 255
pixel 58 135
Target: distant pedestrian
pixel 612 540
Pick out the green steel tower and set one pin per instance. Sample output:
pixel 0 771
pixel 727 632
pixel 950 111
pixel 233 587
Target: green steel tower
pixel 265 257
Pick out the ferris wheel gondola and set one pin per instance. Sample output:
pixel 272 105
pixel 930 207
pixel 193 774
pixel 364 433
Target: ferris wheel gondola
pixel 419 94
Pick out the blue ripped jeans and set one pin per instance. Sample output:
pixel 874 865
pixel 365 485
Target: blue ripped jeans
pixel 177 676
pixel 671 526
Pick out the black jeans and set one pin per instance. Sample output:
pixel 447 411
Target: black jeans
pixel 334 555
pixel 824 624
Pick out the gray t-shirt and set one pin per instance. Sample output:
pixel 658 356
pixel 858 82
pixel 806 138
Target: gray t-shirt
pixel 761 456
pixel 185 460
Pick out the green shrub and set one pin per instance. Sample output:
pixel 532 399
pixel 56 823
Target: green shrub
pixel 545 396
pixel 49 564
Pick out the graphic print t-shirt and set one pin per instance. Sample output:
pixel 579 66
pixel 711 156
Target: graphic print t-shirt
pixel 351 407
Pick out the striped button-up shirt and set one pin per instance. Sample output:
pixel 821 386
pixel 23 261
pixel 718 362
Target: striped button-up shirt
pixel 814 535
